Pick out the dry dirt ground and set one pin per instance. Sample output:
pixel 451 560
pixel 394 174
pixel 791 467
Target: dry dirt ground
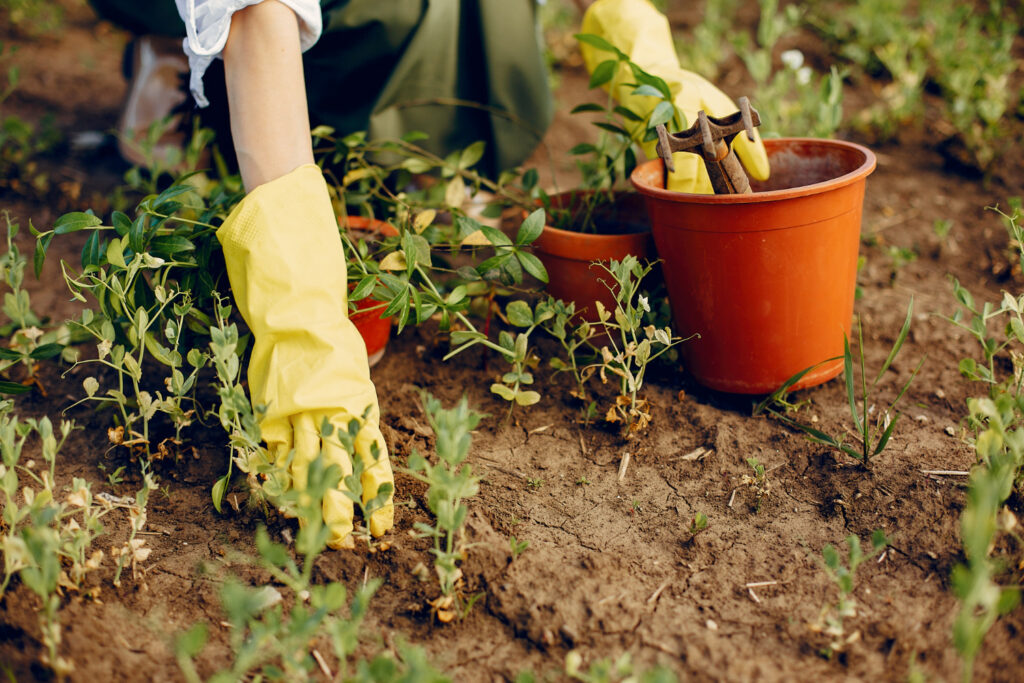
pixel 611 566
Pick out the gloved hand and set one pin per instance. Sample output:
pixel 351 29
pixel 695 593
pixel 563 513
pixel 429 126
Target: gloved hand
pixel 287 269
pixel 643 33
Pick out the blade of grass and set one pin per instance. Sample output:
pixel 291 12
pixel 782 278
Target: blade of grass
pixel 900 338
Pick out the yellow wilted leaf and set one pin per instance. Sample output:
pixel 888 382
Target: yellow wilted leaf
pixel 394 261
pixel 356 175
pixel 455 194
pixel 424 219
pixel 477 238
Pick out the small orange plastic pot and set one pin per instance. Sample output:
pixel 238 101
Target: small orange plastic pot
pixel 569 257
pixel 373 327
pixel 766 279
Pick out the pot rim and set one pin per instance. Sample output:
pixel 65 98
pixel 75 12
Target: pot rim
pixel 853 176
pixel 592 237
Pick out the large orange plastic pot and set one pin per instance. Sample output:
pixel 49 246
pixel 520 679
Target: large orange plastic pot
pixel 569 256
pixel 373 327
pixel 766 279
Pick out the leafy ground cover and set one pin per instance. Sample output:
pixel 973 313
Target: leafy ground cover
pixel 714 543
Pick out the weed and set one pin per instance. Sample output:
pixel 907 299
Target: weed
pixel 632 346
pixel 618 670
pixel 517 547
pixel 757 482
pixel 998 442
pixel 873 435
pixel 47 543
pixel 450 482
pixel 266 640
pixel 698 524
pixel 534 483
pixel 830 621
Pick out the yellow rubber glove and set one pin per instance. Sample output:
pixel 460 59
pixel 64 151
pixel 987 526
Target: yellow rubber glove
pixel 287 270
pixel 643 33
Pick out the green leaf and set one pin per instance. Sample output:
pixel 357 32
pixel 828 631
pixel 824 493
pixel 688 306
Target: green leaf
pixel 91 251
pixel 137 234
pixel 46 351
pixel 598 42
pixel 122 224
pixel 589 106
pixel 527 398
pixel 612 128
pixel 13 388
pixel 168 245
pixel 471 154
pixel 219 488
pixel 532 265
pixel 647 91
pixel 497 237
pixel 40 255
pixel 603 73
pixel 115 254
pixel 664 112
pixel 519 313
pixel 505 392
pixel 848 378
pixel 75 221
pixel 900 338
pixel 627 113
pixel 191 642
pixel 531 228
pixel 831 556
pixel 582 148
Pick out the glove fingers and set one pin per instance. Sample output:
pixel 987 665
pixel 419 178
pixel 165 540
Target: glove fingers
pixel 306 440
pixel 338 508
pixel 377 473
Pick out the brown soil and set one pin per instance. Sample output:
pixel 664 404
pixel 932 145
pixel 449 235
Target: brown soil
pixel 611 566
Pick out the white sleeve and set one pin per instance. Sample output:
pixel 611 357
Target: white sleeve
pixel 207 23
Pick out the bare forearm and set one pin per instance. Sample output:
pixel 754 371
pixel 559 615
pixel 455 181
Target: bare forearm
pixel 267 93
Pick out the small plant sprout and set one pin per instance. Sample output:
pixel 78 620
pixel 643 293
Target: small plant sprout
pixel 830 621
pixel 534 483
pixel 632 346
pixel 698 524
pixel 517 547
pixel 450 482
pixel 757 482
pixel 873 435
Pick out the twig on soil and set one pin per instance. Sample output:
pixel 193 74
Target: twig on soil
pixel 946 473
pixel 732 498
pixel 623 465
pixel 540 429
pixel 366 575
pixel 750 591
pixel 696 454
pixel 657 594
pixel 760 584
pixel 583 446
pixel 610 597
pixel 323 664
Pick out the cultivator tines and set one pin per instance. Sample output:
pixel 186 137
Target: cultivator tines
pixel 711 138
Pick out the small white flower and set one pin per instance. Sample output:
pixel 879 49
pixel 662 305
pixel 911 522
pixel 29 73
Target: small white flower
pixel 643 304
pixel 803 75
pixel 793 59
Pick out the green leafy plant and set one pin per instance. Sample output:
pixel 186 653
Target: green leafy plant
pixel 841 571
pixel 631 347
pixel 757 482
pixel 787 100
pixel 47 543
pixel 450 483
pixel 996 422
pixel 873 434
pixel 22 143
pixel 274 643
pixel 698 524
pixel 517 547
pixel 614 670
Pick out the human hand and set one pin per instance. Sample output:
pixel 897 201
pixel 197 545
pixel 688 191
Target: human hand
pixel 308 365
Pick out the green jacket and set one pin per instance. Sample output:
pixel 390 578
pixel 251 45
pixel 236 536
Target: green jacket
pixel 457 70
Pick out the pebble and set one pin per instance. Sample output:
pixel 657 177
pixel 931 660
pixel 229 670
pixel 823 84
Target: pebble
pixel 950 430
pixel 712 626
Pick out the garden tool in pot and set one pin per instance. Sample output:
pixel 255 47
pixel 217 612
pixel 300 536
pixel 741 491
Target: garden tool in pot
pixel 711 138
pixel 639 30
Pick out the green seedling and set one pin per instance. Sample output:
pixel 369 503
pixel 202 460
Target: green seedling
pixel 450 483
pixel 46 542
pixel 614 670
pixel 517 547
pixel 534 483
pixel 997 422
pixel 632 346
pixel 830 621
pixel 269 641
pixel 698 524
pixel 757 482
pixel 873 435
pixel 574 335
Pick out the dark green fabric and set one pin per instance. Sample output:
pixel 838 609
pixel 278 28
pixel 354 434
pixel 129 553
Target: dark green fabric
pixel 395 66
